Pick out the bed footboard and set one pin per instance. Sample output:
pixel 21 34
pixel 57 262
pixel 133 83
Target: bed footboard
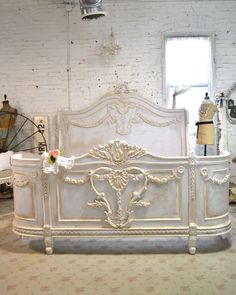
pixel 121 190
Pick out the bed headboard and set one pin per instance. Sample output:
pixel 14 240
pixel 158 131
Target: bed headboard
pixel 127 116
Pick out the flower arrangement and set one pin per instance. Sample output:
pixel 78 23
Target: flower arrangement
pixel 53 155
pixel 54 159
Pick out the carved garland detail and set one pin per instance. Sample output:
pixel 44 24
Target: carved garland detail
pixel 156 124
pixel 204 173
pixel 123 114
pixel 77 181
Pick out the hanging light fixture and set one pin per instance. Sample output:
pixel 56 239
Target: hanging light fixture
pixel 111 47
pixel 90 9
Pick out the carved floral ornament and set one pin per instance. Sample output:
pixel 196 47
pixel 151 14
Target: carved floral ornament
pixel 118 152
pixel 119 180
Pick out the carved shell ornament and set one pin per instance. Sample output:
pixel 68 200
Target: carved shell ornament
pixel 118 179
pixel 118 152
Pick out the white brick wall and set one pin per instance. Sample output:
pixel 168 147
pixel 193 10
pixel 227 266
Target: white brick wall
pixel 33 49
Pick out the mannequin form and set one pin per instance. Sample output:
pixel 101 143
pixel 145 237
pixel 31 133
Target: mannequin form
pixel 7 121
pixel 206 129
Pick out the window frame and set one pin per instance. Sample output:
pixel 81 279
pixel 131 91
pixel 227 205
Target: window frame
pixel 211 36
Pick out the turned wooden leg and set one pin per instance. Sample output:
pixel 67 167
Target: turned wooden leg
pixel 192 239
pixel 48 241
pixel 192 244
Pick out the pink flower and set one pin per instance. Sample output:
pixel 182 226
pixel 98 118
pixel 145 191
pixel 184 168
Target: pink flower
pixel 55 153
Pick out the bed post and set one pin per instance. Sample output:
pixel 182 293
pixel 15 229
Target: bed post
pixel 192 239
pixel 48 238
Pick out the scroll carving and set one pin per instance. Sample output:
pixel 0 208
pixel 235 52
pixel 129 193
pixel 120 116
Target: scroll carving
pixel 119 180
pixel 122 112
pixel 131 182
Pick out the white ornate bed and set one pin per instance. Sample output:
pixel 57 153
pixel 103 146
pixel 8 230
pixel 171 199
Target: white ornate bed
pixel 133 176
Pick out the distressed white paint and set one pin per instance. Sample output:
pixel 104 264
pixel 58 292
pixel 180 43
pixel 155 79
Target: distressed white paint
pixel 115 187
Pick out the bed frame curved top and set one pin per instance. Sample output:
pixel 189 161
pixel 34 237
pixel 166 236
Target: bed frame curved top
pixel 126 116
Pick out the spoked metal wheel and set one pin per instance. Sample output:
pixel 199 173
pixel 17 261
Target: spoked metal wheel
pixel 21 135
pixel 18 133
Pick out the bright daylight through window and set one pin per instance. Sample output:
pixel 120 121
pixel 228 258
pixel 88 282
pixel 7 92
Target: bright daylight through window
pixel 188 68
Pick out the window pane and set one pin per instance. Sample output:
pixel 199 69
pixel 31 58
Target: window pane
pixel 188 61
pixel 188 75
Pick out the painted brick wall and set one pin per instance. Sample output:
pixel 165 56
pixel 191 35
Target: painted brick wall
pixel 36 43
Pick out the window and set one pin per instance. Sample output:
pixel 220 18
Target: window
pixel 188 69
